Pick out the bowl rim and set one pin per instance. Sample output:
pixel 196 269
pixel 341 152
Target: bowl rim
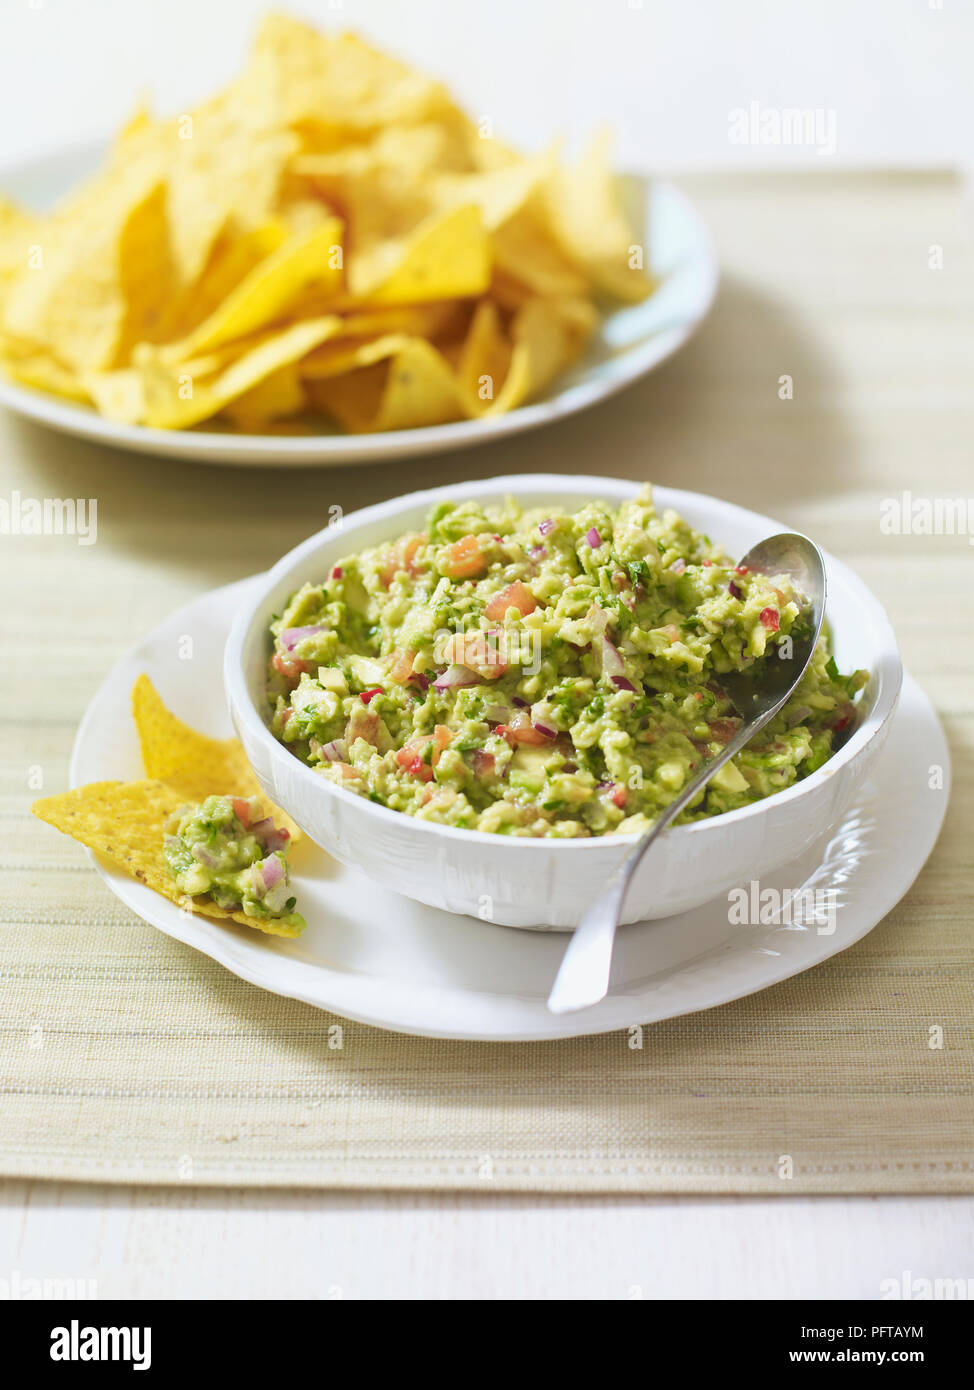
pixel 887 668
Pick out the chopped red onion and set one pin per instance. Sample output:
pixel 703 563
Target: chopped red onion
pixel 267 873
pixel 612 662
pixel 538 552
pixel 734 591
pixel 268 834
pixel 421 679
pixel 547 526
pixel 521 704
pixel 291 636
pixel 336 751
pixel 456 676
pixel 622 683
pixel 201 853
pixel 593 538
pixel 548 732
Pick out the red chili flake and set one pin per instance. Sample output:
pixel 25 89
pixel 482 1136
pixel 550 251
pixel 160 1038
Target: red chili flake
pixel 336 572
pixel 368 695
pixel 740 569
pixel 769 617
pixel 734 591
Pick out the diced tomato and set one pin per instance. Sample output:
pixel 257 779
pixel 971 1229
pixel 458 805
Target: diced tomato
pixel 401 556
pixel 463 559
pixel 707 564
pixel 479 651
pixel 619 797
pixel 843 718
pixel 288 666
pixel 520 730
pixel 336 572
pixel 367 695
pixel 516 595
pixel 402 666
pixel 412 762
pixel 740 569
pixel 769 617
pixel 412 757
pixel 241 809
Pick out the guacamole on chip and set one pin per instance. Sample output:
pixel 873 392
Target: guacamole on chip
pixel 227 850
pixel 545 673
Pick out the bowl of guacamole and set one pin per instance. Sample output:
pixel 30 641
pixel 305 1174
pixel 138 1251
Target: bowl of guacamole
pixel 511 679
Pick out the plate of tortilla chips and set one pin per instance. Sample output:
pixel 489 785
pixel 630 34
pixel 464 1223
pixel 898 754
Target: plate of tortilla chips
pixel 328 260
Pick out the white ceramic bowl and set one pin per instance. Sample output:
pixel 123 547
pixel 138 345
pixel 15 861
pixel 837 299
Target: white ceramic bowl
pixel 548 883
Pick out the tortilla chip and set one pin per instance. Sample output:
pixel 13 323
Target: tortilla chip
pixel 125 821
pixel 209 255
pixel 447 257
pixel 194 765
pixel 75 301
pixel 586 218
pixel 176 399
pixel 40 370
pixel 484 361
pixel 304 264
pixel 526 251
pixel 119 395
pixel 277 396
pixel 415 387
pixel 547 337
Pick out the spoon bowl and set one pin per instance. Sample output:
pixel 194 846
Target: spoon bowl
pixel 757 694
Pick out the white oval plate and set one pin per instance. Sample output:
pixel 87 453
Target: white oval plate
pixel 629 343
pixel 373 956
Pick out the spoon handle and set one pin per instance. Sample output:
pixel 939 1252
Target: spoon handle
pixel 583 977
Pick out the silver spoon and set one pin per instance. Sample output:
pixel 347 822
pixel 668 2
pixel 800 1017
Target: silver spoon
pixel 757 694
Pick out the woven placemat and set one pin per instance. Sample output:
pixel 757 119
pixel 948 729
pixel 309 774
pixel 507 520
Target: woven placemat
pixel 125 1056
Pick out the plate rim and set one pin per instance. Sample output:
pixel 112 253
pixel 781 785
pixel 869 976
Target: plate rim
pixel 214 940
pixel 230 449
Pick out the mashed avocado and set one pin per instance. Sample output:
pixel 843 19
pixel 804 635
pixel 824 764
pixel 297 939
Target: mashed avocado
pixel 545 673
pixel 222 848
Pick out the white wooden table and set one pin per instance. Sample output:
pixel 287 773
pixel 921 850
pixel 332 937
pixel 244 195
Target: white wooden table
pixel 151 1243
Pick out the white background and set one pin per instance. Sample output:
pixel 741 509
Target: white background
pixel 666 76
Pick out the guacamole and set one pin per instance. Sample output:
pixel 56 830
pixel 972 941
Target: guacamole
pixel 543 673
pixel 224 848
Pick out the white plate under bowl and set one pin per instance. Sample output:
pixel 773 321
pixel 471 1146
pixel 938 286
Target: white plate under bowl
pixel 381 959
pixel 629 342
